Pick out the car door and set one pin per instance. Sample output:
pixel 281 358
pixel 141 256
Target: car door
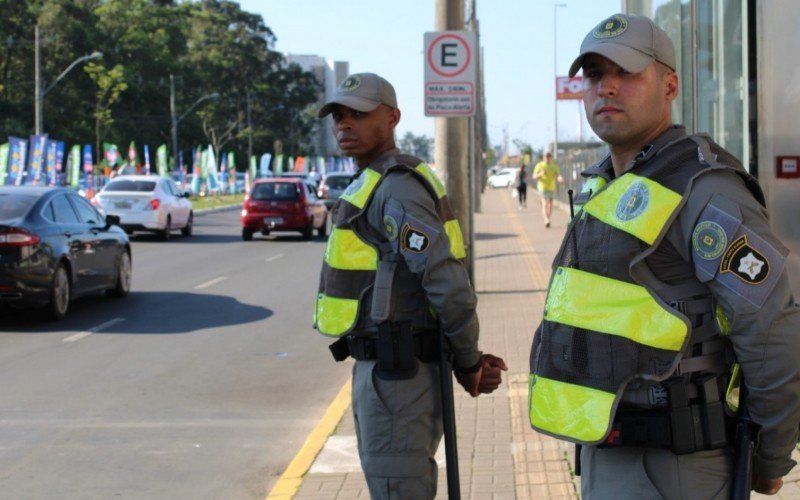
pixel 317 206
pixel 104 244
pixel 177 203
pixel 81 244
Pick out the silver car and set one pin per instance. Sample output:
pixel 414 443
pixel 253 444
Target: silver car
pixel 147 203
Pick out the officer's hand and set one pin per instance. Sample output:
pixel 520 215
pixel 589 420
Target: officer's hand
pixel 470 381
pixel 491 373
pixel 765 485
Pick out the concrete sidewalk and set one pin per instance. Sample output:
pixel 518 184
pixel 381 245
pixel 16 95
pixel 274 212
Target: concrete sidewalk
pixel 500 457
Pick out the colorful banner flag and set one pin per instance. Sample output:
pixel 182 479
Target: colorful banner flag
pixel 36 159
pixel 59 165
pixel 278 169
pixel 133 158
pixel 223 173
pixel 161 160
pixel 264 170
pixel 181 172
pixel 3 162
pixel 211 170
pixel 74 166
pixel 231 163
pixel 300 164
pixel 88 171
pixel 197 170
pixel 17 154
pixel 290 164
pixel 49 169
pixel 146 167
pixel 252 167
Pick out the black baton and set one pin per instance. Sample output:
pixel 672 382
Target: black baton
pixel 744 447
pixel 448 417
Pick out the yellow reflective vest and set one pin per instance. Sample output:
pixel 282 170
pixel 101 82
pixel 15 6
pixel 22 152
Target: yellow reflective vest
pixel 604 322
pixel 350 263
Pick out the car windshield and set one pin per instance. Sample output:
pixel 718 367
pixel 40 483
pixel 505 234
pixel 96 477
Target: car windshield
pixel 337 182
pixel 13 205
pixel 275 191
pixel 130 185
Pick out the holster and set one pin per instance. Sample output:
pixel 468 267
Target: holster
pixel 395 346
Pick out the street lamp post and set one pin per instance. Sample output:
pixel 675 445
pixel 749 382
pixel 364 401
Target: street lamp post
pixel 555 75
pixel 39 91
pixel 177 120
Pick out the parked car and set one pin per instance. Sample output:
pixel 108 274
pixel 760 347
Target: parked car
pixel 332 187
pixel 55 246
pixel 503 179
pixel 283 204
pixel 147 203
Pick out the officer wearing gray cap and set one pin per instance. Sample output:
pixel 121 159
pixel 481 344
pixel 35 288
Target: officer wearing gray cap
pixel 392 274
pixel 669 311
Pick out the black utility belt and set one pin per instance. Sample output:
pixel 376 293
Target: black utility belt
pixel 424 346
pixel 682 427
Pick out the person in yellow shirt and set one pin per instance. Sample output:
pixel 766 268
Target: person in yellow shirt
pixel 545 173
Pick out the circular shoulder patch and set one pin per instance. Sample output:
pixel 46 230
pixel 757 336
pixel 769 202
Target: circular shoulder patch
pixel 611 27
pixel 633 202
pixel 350 84
pixel 390 226
pixel 709 240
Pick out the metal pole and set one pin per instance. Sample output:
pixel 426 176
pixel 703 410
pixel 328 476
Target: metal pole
pixel 249 130
pixel 173 119
pixel 38 98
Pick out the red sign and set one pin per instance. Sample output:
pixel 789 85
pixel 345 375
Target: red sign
pixel 569 88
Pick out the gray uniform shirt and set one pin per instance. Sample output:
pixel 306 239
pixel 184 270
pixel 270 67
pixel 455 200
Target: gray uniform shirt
pixel 403 198
pixel 756 299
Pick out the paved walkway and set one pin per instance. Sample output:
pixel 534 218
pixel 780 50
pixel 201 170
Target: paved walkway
pixel 500 457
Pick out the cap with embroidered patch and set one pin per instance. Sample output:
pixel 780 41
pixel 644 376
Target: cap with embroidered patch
pixel 362 92
pixel 630 41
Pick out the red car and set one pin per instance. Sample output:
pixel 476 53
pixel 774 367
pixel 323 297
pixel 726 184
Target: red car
pixel 283 204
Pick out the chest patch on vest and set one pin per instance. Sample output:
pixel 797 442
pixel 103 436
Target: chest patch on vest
pixel 745 262
pixel 709 240
pixel 633 202
pixel 414 240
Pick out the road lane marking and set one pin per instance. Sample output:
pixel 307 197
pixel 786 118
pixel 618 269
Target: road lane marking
pixel 292 477
pixel 274 257
pixel 98 328
pixel 210 283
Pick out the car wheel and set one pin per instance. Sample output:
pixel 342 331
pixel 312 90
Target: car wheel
pixel 247 234
pixel 123 284
pixel 308 231
pixel 59 293
pixel 167 231
pixel 187 229
pixel 323 231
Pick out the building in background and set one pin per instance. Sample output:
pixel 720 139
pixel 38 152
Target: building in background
pixel 738 84
pixel 330 74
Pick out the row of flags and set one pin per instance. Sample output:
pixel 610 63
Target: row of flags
pixel 43 161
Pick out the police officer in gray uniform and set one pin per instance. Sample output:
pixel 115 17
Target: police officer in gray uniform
pixel 696 297
pixel 393 273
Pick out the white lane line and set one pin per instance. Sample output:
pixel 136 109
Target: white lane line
pixel 98 328
pixel 274 257
pixel 210 283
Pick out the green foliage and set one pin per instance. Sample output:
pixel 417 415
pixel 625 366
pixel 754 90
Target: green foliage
pixel 208 46
pixel 420 146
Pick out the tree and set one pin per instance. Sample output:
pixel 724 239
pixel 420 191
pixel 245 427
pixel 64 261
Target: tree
pixel 110 86
pixel 420 146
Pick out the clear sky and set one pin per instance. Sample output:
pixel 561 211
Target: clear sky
pixel 386 37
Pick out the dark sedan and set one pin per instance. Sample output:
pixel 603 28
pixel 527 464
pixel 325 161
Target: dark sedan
pixel 55 246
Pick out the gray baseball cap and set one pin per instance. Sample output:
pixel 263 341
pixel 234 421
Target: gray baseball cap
pixel 362 92
pixel 630 41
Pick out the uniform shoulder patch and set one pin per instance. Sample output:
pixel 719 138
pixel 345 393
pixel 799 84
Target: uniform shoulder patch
pixel 633 201
pixel 709 240
pixel 745 262
pixel 414 240
pixel 390 226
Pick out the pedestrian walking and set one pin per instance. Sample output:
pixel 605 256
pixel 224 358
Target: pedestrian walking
pixel 545 173
pixel 522 187
pixel 393 273
pixel 668 293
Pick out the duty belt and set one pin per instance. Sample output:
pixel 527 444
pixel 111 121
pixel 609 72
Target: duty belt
pixel 361 348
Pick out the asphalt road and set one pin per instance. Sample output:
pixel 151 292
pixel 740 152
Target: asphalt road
pixel 203 383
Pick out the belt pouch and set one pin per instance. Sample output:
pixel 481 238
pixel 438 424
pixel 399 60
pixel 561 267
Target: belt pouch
pixel 713 414
pixel 396 360
pixel 340 349
pixel 680 417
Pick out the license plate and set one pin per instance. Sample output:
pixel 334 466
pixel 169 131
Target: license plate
pixel 122 204
pixel 273 220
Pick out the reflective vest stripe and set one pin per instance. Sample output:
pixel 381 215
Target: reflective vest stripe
pixel 552 400
pixel 585 300
pixel 335 316
pixel 432 179
pixel 590 188
pixel 367 182
pixel 453 231
pixel 636 205
pixel 347 251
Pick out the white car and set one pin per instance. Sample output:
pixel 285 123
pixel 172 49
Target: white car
pixel 503 179
pixel 147 203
